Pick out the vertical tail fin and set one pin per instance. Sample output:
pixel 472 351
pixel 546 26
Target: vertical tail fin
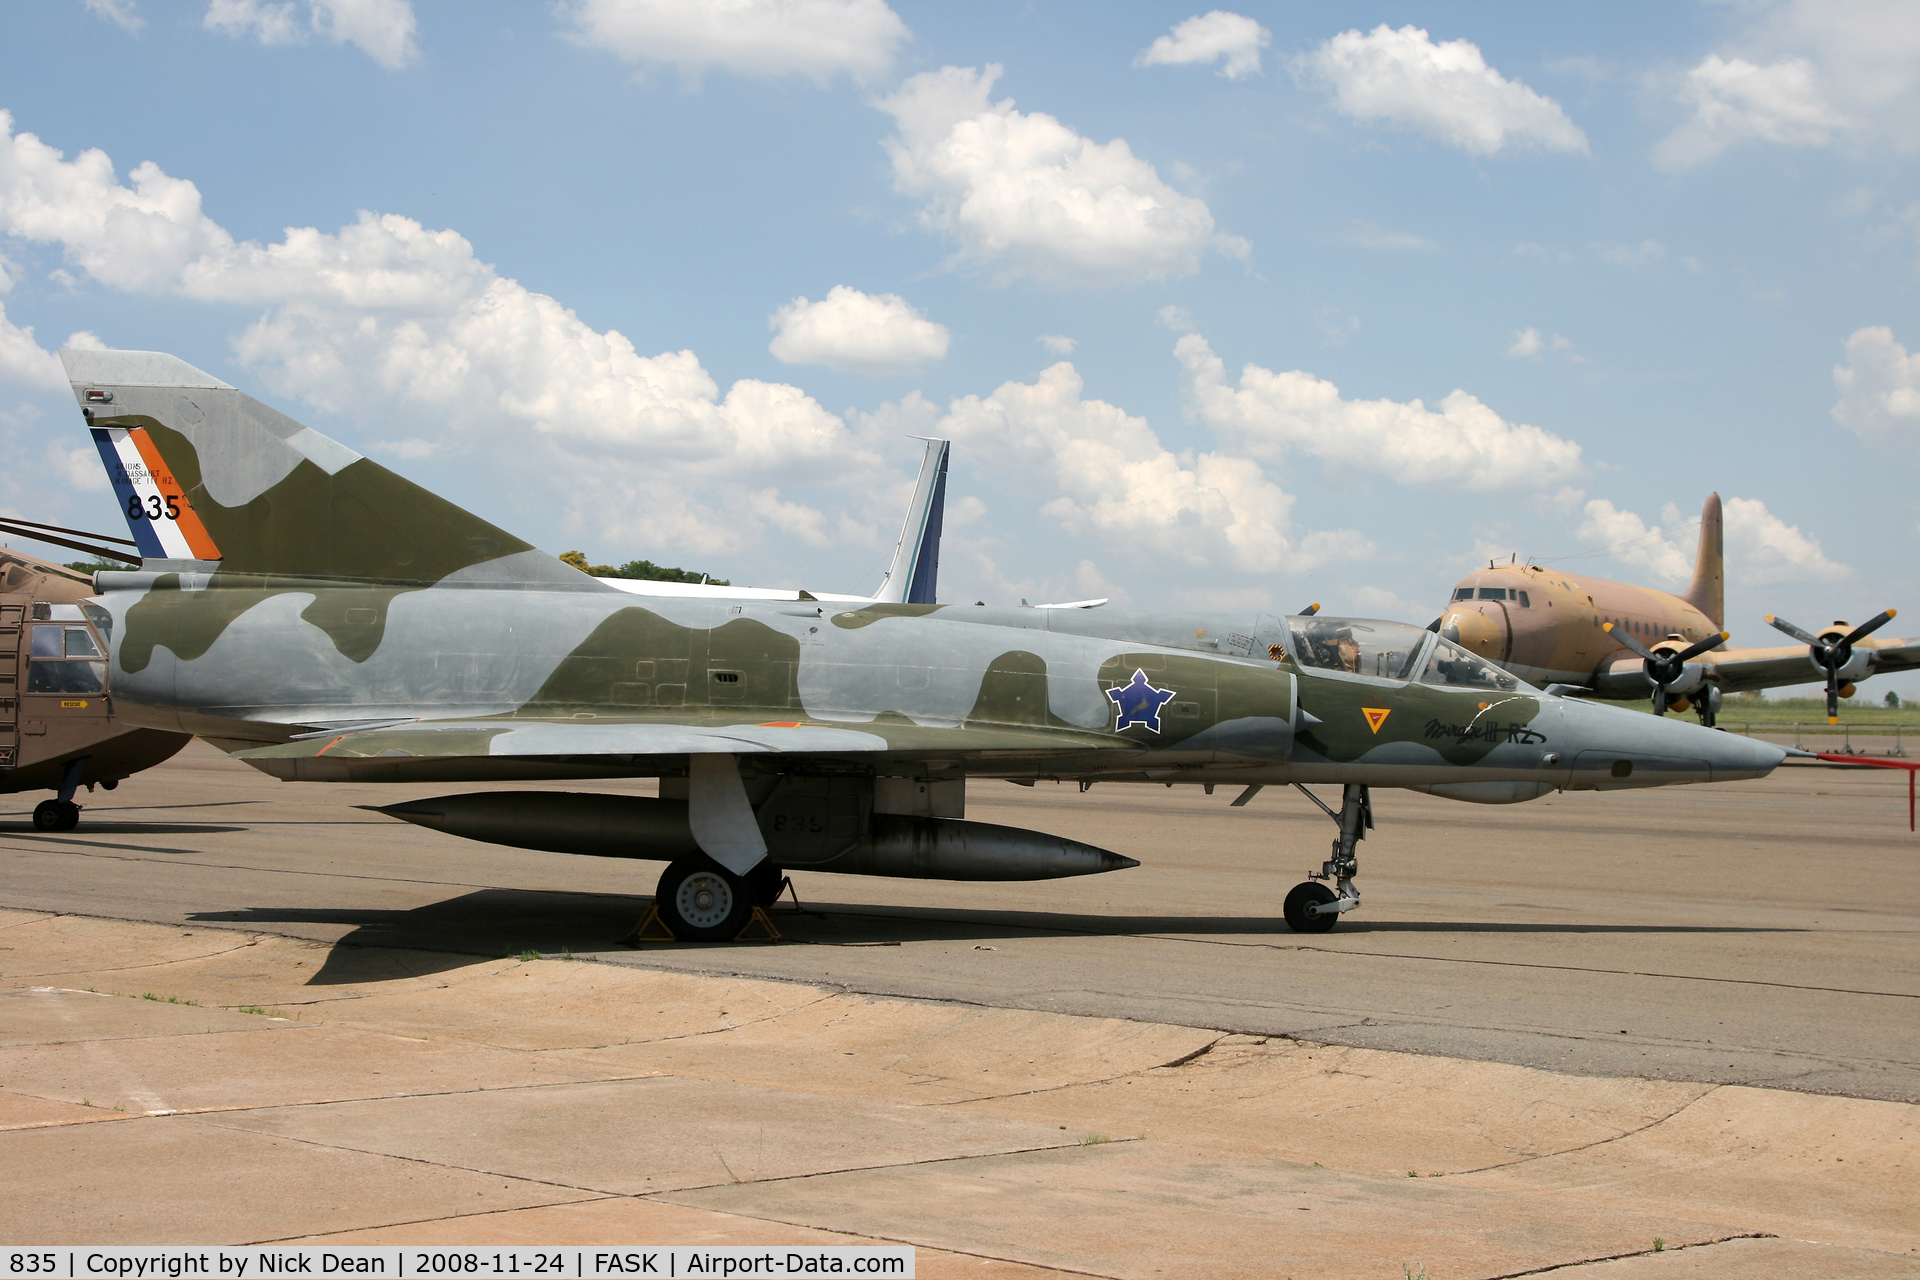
pixel 1708 590
pixel 213 480
pixel 913 575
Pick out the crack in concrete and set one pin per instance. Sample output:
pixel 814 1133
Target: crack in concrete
pixel 1181 1061
pixel 692 1035
pixel 1637 1253
pixel 192 1117
pixel 1598 1142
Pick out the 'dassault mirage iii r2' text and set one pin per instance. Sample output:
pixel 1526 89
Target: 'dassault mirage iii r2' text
pixel 323 619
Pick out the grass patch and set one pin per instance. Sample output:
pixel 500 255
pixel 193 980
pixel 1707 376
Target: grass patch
pixel 148 995
pixel 529 954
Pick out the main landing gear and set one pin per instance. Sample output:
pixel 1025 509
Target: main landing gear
pixel 56 815
pixel 62 814
pixel 1312 907
pixel 702 901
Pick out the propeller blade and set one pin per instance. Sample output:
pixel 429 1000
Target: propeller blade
pixel 1833 696
pixel 1867 628
pixel 1693 651
pixel 1629 641
pixel 1659 699
pixel 1781 624
pixel 1310 610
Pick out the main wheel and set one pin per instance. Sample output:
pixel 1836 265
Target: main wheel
pixel 1309 893
pixel 701 901
pixel 56 815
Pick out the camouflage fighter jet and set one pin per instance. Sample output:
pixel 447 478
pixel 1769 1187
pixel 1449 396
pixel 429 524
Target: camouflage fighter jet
pixel 323 619
pixel 1624 642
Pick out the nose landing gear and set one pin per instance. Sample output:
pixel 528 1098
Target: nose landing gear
pixel 1312 907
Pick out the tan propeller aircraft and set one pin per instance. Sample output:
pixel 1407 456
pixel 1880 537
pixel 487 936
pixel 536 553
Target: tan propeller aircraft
pixel 1569 634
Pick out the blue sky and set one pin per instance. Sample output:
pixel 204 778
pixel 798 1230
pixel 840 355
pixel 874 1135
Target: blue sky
pixel 1222 308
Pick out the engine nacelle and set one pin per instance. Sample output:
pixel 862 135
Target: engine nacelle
pixel 1692 676
pixel 1858 666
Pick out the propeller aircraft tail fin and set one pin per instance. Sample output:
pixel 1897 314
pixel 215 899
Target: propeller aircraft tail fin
pixel 210 479
pixel 1708 590
pixel 913 576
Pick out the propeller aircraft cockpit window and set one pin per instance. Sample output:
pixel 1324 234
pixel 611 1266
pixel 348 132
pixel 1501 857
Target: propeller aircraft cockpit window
pixel 1383 649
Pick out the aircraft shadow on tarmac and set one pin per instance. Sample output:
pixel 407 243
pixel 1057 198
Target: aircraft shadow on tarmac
pixel 499 923
pixel 122 829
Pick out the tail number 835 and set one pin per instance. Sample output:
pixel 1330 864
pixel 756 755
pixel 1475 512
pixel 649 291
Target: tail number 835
pixel 153 507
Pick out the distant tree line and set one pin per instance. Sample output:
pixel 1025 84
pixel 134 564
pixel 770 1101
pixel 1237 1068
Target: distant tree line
pixel 646 570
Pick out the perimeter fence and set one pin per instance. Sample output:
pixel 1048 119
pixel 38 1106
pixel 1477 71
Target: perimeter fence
pixel 1885 740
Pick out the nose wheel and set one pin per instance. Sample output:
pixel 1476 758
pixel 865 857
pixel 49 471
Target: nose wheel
pixel 1313 907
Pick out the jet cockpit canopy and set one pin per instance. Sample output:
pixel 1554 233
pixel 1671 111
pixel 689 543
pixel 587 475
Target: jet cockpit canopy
pixel 1393 651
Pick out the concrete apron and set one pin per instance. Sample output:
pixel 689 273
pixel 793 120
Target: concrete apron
pixel 163 1085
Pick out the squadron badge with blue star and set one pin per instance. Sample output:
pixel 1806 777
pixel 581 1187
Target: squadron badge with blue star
pixel 1138 702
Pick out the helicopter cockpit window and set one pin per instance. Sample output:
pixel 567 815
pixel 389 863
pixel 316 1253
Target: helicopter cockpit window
pixel 1384 649
pixel 65 660
pixel 1453 666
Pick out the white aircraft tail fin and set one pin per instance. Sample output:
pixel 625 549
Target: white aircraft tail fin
pixel 912 577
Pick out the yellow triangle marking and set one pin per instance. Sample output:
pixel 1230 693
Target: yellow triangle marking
pixel 1376 716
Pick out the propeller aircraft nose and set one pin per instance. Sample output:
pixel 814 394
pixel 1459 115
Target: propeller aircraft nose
pixel 1476 633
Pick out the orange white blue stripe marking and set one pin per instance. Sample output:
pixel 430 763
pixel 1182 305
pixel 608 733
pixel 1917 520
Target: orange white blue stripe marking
pixel 158 514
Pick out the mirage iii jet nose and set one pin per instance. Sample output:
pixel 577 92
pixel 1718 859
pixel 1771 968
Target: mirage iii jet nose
pixel 1612 747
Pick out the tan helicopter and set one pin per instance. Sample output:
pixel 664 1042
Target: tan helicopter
pixel 57 728
pixel 1567 633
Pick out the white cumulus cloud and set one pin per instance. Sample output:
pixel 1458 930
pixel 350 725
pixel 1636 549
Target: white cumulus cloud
pixel 1461 442
pixel 1804 73
pixel 23 361
pixel 1025 195
pixel 382 29
pixel 1761 548
pixel 857 332
pixel 1446 91
pixel 1735 101
pixel 387 320
pixel 1232 39
pixel 1528 343
pixel 1879 386
pixel 119 12
pixel 1117 481
pixel 814 38
pixel 1627 538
